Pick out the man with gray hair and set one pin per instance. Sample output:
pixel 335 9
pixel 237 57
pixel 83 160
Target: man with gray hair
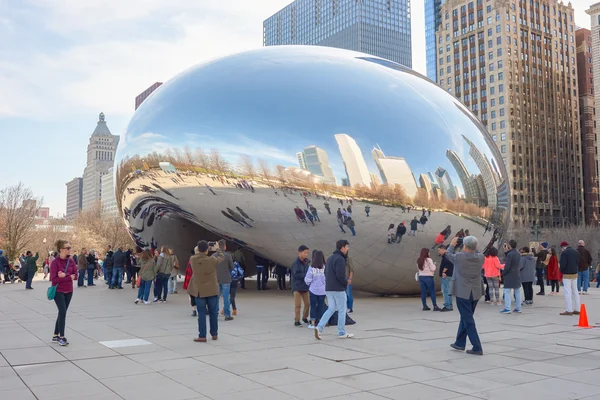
pixel 468 289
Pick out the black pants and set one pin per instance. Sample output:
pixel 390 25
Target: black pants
pixel 528 290
pixel 192 301
pixel 540 279
pixel 232 292
pixel 62 301
pixel 487 289
pixel 555 283
pixel 281 280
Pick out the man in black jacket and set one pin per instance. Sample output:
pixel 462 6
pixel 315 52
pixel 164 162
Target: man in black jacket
pixel 335 289
pixel 118 267
pixel 446 271
pixel 108 265
pixel 585 261
pixel 400 232
pixel 569 266
pixel 299 287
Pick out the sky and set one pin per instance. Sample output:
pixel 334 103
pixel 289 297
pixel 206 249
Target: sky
pixel 65 61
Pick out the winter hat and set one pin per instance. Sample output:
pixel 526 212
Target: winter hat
pixel 564 244
pixel 544 245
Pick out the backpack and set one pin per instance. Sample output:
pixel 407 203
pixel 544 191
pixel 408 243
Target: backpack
pixel 237 272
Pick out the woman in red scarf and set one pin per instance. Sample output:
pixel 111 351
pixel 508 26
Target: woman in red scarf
pixel 554 275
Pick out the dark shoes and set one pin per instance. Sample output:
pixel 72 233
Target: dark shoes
pixel 297 323
pixel 445 309
pixel 215 337
pixel 200 340
pixel 305 320
pixel 474 352
pixel 194 313
pixel 540 294
pixel 566 313
pixel 228 318
pixel 455 347
pixel 436 308
pixel 425 308
pixel 350 311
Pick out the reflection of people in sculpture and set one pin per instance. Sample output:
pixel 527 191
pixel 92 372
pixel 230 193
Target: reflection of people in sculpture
pixel 244 214
pixel 300 215
pixel 367 210
pixel 349 208
pixel 423 221
pixel 231 218
pixel 238 217
pixel 209 188
pixel 326 204
pixel 350 223
pixel 400 232
pixel 340 221
pixel 315 213
pixel 391 234
pixel 413 226
pixel 310 217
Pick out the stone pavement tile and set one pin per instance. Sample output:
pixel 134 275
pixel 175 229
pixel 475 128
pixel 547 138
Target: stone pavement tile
pixel 370 381
pixel 326 369
pixel 34 355
pixel 9 380
pixel 53 373
pixel 173 365
pixel 508 376
pixel 334 353
pixel 144 358
pixel 109 367
pixel 591 377
pixel 437 355
pixel 495 348
pixel 381 363
pixel 146 348
pixel 552 389
pixel 281 377
pixel 152 386
pixel 545 368
pixel 73 390
pixel 471 363
pixel 577 361
pixel 20 339
pixel 418 373
pixel 563 350
pixel 358 396
pixel 466 384
pixel 81 352
pixel 416 391
pixel 17 394
pixel 3 362
pixel 319 389
pixel 532 355
pixel 262 394
pixel 212 382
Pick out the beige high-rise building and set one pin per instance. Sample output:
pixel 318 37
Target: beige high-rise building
pixel 513 64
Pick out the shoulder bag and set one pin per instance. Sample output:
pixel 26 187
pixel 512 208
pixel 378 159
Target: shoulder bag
pixel 51 293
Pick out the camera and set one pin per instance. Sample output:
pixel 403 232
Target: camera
pixel 212 244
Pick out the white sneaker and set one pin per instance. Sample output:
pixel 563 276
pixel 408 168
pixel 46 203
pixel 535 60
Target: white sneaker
pixel 311 326
pixel 346 336
pixel 147 302
pixel 137 301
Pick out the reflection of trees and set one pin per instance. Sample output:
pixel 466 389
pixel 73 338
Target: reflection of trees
pixel 246 166
pixel 218 163
pixel 201 160
pixel 264 168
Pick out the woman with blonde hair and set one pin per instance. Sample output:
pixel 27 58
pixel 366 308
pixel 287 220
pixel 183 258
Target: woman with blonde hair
pixel 63 271
pixel 175 271
pixel 164 266
pixel 146 276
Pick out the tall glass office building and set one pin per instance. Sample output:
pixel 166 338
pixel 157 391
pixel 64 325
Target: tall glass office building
pixel 377 27
pixel 433 19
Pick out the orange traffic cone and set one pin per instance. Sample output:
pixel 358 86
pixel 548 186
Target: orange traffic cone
pixel 583 319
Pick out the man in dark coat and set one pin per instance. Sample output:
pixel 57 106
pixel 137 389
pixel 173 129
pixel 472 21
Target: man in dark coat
pixel 569 266
pixel 585 261
pixel 30 264
pixel 511 276
pixel 413 226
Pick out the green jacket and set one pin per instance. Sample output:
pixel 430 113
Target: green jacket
pixel 148 269
pixel 30 263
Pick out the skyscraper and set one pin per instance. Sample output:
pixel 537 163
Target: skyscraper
pixel 100 158
pixel 301 160
pixel 395 170
pixel 354 162
pixel 587 125
pixel 433 19
pixel 377 27
pixel 445 183
pixel 489 176
pixel 139 99
pixel 109 200
pixel 426 185
pixel 74 198
pixel 513 65
pixel 466 179
pixel 317 162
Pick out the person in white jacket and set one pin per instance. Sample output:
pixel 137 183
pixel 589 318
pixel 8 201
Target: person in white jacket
pixel 426 268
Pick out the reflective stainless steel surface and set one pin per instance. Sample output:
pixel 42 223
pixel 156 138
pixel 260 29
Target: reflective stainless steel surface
pixel 227 148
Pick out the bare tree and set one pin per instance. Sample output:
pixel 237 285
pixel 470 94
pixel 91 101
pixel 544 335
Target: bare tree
pixel 18 207
pixel 247 166
pixel 189 157
pixel 218 163
pixel 92 230
pixel 201 159
pixel 264 168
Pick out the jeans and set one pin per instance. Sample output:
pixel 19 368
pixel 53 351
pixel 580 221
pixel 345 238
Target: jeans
pixel 336 301
pixel 352 230
pixel 232 293
pixel 494 285
pixel 299 298
pixel 108 277
pixel 427 285
pixel 213 312
pixel 508 299
pixel 90 273
pixel 446 292
pixel 583 280
pixel 172 284
pixel 62 301
pixel 260 271
pixel 80 277
pixel 539 274
pixel 466 326
pixel 398 238
pixel 104 273
pixel 349 297
pixel 144 290
pixel 571 294
pixel 161 286
pixel 117 277
pixel 30 276
pixel 224 290
pixel 528 291
pixel 317 306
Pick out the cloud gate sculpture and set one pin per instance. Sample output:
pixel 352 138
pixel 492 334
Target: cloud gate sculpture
pixel 283 146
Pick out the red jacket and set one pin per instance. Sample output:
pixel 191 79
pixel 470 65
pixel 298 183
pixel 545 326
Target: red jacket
pixel 64 285
pixel 553 270
pixel 188 276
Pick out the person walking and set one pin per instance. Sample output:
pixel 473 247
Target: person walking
pixel 118 268
pixel 400 232
pixel 224 270
pixel 236 275
pixel 30 264
pixel 350 223
pixel 367 210
pixel 63 271
pixel 340 221
pixel 512 278
pixel 391 233
pixel 423 221
pixel 583 275
pixel 569 268
pixel 81 267
pixel 146 276
pixel 554 275
pixel 492 270
pixel 299 286
pixel 335 290
pixel 205 288
pixel 414 224
pixel 542 259
pixel 446 273
pixel 468 289
pixel 426 270
pixel 315 279
pixel 527 271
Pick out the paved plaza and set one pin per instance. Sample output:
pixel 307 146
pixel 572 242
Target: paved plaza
pixel 119 350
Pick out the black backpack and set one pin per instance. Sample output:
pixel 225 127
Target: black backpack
pixel 23 274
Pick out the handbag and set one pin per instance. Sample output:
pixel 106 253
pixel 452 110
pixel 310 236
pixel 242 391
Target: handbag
pixel 51 293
